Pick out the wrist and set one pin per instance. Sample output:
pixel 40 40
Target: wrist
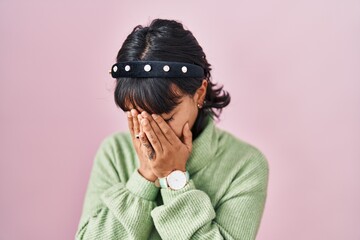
pixel 176 180
pixel 148 176
pixel 165 174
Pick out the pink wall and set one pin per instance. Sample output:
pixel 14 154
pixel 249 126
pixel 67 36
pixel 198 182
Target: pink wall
pixel 292 68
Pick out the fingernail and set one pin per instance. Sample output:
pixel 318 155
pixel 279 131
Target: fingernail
pixel 128 114
pixel 133 112
pixel 154 116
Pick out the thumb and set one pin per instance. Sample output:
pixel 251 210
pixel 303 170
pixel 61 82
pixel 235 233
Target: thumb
pixel 187 136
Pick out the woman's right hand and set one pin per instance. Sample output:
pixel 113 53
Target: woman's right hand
pixel 141 144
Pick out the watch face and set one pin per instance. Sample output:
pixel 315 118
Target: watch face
pixel 176 180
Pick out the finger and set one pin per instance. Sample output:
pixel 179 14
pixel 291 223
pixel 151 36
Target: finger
pixel 130 123
pixel 155 143
pixel 146 147
pixel 141 129
pixel 139 121
pixel 135 121
pixel 166 129
pixel 163 140
pixel 187 136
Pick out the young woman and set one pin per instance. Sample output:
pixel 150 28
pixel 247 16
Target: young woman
pixel 174 174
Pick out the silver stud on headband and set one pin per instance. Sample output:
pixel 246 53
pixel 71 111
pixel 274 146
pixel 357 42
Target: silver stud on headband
pixel 115 68
pixel 184 69
pixel 127 68
pixel 147 67
pixel 166 68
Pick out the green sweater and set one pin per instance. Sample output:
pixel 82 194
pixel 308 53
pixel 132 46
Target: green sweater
pixel 224 199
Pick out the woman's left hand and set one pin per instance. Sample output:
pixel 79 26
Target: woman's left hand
pixel 170 152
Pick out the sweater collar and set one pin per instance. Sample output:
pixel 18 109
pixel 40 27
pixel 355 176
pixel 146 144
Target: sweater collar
pixel 204 147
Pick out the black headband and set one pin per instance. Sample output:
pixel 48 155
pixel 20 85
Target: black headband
pixel 163 69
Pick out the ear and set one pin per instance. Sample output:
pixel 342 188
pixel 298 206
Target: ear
pixel 200 93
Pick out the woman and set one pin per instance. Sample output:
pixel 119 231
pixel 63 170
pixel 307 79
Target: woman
pixel 174 175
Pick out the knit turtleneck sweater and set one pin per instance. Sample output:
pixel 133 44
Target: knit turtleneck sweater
pixel 224 198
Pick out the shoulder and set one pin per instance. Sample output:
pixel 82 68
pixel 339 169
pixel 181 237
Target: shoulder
pixel 115 156
pixel 230 143
pixel 115 139
pixel 246 158
pixel 116 144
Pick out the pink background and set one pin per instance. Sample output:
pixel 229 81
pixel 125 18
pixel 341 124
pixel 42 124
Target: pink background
pixel 291 67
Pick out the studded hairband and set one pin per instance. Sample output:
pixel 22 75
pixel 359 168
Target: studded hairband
pixel 162 69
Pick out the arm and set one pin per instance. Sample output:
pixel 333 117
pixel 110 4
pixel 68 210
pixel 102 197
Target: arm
pixel 112 208
pixel 188 213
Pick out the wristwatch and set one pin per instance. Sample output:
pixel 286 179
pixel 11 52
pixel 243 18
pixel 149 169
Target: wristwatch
pixel 176 180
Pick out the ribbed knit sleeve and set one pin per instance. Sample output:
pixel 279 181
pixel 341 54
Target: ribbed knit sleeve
pixel 112 208
pixel 189 214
